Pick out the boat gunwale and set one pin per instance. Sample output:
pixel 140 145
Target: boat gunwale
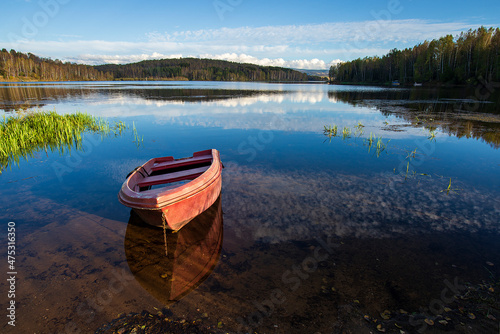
pixel 156 200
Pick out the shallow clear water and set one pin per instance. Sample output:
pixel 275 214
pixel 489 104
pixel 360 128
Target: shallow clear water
pixel 327 224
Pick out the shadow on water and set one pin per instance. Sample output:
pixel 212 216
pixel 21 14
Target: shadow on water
pixel 192 254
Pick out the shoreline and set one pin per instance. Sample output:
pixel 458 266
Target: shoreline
pixel 402 85
pixel 158 79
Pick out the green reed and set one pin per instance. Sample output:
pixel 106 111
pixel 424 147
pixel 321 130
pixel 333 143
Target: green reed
pixel 369 141
pixel 411 155
pixel 377 143
pixel 26 133
pixel 450 189
pixel 137 140
pixel 432 135
pixel 359 129
pixel 346 133
pixel 330 131
pixel 380 146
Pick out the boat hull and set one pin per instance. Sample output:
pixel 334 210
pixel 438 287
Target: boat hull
pixel 179 214
pixel 168 205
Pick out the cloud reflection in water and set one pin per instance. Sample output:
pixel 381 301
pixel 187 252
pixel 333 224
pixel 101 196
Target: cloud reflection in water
pixel 273 207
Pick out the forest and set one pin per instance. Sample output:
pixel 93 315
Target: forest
pixel 17 66
pixel 200 70
pixel 460 60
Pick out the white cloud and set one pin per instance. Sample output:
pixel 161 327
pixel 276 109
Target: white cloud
pixel 374 30
pixel 313 64
pixel 96 59
pixel 311 46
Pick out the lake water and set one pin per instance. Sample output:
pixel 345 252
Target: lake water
pixel 318 232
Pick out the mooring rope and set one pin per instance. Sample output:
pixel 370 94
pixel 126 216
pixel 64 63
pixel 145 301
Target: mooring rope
pixel 164 221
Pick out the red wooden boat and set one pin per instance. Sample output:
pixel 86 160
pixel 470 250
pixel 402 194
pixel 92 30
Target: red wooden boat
pixel 168 192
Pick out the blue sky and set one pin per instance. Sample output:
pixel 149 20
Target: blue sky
pixel 299 34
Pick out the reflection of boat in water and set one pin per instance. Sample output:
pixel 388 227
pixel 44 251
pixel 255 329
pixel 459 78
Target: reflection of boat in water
pixel 192 254
pixel 170 192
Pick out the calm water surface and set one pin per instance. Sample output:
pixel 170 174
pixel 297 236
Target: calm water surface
pixel 317 232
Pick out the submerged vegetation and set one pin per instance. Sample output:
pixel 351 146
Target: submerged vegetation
pixel 25 133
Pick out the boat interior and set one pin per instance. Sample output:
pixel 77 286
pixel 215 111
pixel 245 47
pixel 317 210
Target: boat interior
pixel 167 172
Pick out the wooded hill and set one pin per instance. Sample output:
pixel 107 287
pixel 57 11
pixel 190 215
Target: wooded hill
pixel 200 70
pixel 16 66
pixel 456 60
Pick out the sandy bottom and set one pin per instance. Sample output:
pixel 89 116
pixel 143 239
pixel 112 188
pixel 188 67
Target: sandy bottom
pixel 327 271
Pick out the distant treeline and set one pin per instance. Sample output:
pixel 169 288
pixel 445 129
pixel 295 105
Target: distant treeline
pixel 460 60
pixel 201 70
pixel 16 66
pixel 20 66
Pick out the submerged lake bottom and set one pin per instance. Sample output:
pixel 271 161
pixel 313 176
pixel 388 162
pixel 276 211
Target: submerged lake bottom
pixel 313 233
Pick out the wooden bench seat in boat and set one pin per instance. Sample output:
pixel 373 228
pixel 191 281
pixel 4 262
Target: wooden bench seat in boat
pixel 180 163
pixel 172 177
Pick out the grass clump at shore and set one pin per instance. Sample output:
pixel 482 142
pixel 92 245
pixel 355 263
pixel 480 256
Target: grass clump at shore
pixel 25 133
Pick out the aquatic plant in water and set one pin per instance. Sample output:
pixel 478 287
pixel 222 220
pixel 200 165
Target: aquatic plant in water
pixel 137 140
pixel 25 133
pixel 432 135
pixel 449 189
pixel 346 133
pixel 330 131
pixel 369 141
pixel 410 157
pixel 380 146
pixel 359 129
